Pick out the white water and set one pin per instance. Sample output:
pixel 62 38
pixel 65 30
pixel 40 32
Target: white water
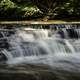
pixel 35 46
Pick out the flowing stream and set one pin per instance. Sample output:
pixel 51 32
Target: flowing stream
pixel 57 47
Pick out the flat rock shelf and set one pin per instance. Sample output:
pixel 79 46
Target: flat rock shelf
pixel 40 22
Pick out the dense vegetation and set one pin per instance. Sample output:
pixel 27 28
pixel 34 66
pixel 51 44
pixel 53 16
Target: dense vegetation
pixel 37 9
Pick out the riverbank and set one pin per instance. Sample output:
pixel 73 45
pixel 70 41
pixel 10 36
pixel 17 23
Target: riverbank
pixel 40 22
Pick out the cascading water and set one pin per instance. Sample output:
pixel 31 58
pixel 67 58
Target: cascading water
pixel 30 44
pixel 55 46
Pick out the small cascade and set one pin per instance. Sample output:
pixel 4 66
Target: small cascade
pixel 32 34
pixel 22 43
pixel 70 46
pixel 69 33
pixel 41 34
pixel 37 33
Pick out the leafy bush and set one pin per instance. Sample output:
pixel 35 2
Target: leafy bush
pixel 59 8
pixel 50 9
pixel 7 8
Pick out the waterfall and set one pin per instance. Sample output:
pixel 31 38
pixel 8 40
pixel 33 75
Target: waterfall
pixel 70 46
pixel 33 43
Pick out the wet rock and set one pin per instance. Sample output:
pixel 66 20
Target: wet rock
pixel 2 57
pixel 4 44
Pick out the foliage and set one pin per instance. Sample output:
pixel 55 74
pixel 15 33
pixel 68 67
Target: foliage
pixel 28 9
pixel 49 6
pixel 7 8
pixel 59 8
